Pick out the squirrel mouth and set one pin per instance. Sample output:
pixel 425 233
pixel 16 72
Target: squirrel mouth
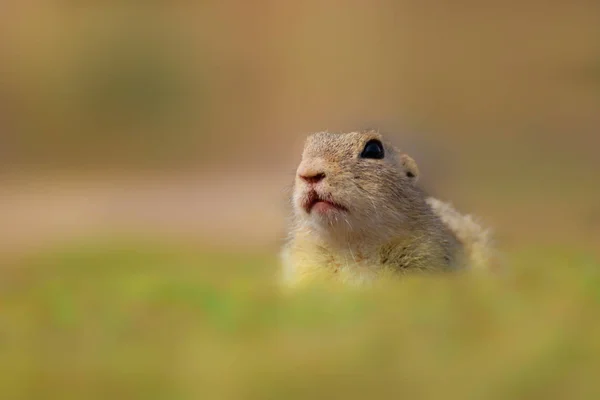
pixel 319 203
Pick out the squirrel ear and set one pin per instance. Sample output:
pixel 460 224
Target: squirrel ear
pixel 410 167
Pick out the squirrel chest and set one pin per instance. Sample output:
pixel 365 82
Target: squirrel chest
pixel 309 260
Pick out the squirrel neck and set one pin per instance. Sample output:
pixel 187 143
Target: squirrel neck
pixel 367 241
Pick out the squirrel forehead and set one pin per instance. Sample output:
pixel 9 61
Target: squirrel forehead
pixel 339 145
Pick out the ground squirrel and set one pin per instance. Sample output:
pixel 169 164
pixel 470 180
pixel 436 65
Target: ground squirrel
pixel 358 211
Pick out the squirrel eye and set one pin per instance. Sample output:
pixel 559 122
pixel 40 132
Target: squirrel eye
pixel 373 149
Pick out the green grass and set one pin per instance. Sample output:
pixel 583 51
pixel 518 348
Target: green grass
pixel 150 321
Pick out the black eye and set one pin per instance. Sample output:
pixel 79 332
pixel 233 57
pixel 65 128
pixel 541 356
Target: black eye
pixel 373 149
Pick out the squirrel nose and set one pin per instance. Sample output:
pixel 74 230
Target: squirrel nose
pixel 311 171
pixel 312 177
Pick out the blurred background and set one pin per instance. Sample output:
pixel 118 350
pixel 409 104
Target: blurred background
pixel 188 117
pixel 167 133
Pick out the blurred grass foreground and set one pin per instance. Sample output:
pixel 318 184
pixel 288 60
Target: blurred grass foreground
pixel 173 128
pixel 138 320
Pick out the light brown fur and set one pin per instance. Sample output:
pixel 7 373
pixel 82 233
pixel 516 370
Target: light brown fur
pixel 387 222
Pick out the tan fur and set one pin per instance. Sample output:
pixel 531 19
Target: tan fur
pixel 389 223
pixel 476 240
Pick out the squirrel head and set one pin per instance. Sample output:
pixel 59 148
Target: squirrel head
pixel 354 182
